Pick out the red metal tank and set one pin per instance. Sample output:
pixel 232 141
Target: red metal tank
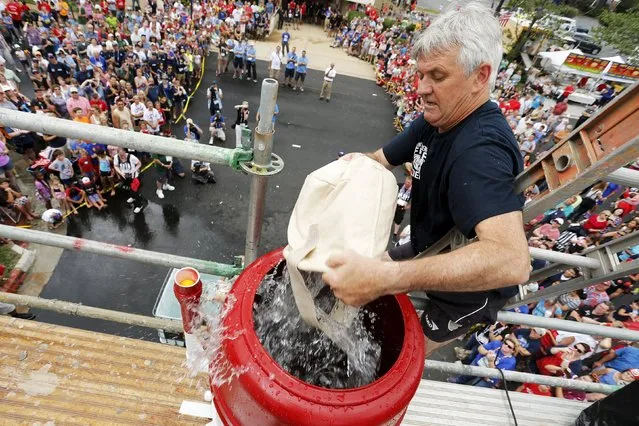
pixel 267 395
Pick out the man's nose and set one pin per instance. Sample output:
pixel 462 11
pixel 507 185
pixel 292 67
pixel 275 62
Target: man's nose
pixel 424 88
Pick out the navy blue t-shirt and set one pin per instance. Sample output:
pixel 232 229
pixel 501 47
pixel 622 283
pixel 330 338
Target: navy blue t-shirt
pixel 460 178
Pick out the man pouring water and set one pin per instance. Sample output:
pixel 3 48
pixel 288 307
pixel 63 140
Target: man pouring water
pixel 465 159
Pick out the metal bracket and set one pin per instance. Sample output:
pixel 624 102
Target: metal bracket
pixel 276 166
pixel 238 157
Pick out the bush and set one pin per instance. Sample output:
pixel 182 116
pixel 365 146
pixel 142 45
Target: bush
pixel 567 11
pixel 388 22
pixel 410 28
pixel 354 14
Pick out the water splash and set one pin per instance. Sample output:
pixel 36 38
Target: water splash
pixel 205 355
pixel 306 352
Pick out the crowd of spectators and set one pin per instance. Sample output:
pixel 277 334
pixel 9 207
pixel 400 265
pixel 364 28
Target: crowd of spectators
pixel 105 64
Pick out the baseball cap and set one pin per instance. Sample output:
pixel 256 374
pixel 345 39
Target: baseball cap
pixel 559 220
pixel 86 180
pixel 73 90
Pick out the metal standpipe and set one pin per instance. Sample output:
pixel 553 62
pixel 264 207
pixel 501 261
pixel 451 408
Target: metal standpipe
pixel 565 325
pixel 124 138
pixel 263 165
pixel 516 376
pixel 114 250
pixel 564 258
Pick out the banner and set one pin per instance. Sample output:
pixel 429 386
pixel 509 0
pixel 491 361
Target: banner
pixel 624 71
pixel 586 63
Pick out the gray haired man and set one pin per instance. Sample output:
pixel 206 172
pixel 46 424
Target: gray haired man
pixel 465 159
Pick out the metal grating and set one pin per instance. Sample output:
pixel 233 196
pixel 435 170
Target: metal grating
pixel 440 403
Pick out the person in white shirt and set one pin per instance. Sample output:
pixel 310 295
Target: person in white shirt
pixel 327 85
pixel 137 110
pixel 152 118
pixel 276 63
pixel 127 166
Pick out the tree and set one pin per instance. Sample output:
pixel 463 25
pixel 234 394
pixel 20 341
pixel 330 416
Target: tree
pixel 535 10
pixel 619 30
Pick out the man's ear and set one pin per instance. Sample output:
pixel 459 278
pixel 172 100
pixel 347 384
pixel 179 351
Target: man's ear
pixel 482 77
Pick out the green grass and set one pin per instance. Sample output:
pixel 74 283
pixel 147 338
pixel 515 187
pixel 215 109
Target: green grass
pixel 8 258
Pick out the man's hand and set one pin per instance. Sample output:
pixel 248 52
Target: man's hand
pixel 356 279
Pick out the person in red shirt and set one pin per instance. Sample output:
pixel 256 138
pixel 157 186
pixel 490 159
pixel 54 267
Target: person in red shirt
pixel 560 108
pixel 43 6
pixel 535 389
pixel 16 11
pixel 99 102
pixel 597 223
pixel 85 164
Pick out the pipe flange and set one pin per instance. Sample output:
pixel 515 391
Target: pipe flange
pixel 276 166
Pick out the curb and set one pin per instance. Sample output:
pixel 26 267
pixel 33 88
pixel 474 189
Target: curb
pixel 19 272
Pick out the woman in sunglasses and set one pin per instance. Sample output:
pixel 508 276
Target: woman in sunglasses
pixel 557 364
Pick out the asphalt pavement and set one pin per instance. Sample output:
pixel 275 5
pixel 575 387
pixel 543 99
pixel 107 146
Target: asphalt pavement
pixel 209 222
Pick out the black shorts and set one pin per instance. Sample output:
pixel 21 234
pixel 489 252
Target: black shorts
pixel 288 73
pixel 399 215
pixel 238 61
pixel 443 320
pixel 300 76
pixel 105 174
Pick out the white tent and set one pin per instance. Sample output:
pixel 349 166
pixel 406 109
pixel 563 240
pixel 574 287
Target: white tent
pixel 552 61
pixel 618 59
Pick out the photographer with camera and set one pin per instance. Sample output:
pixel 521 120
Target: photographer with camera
pixel 127 166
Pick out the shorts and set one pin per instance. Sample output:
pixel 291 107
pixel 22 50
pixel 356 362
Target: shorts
pixel 161 175
pixel 21 201
pixel 399 215
pixel 7 167
pixel 238 62
pixel 441 320
pixel 94 198
pixel 105 174
pixel 289 73
pixel 300 76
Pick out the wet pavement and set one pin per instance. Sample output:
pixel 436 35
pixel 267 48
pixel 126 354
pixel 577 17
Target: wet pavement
pixel 209 222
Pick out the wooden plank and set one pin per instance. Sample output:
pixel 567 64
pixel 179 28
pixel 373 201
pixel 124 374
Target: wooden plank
pixel 70 376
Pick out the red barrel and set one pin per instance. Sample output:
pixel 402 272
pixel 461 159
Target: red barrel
pixel 267 395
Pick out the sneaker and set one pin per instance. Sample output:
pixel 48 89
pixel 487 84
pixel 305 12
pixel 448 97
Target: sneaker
pixel 211 141
pixel 301 89
pixel 241 77
pixel 137 210
pixel 328 100
pixel 254 80
pixel 234 76
pixel 461 353
pixel 168 187
pixel 130 200
pixel 294 88
pixel 321 98
pixel 160 194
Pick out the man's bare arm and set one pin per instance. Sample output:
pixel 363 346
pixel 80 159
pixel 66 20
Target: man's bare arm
pixel 380 158
pixel 499 259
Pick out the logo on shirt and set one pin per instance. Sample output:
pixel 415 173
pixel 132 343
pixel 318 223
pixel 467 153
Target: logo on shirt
pixel 419 156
